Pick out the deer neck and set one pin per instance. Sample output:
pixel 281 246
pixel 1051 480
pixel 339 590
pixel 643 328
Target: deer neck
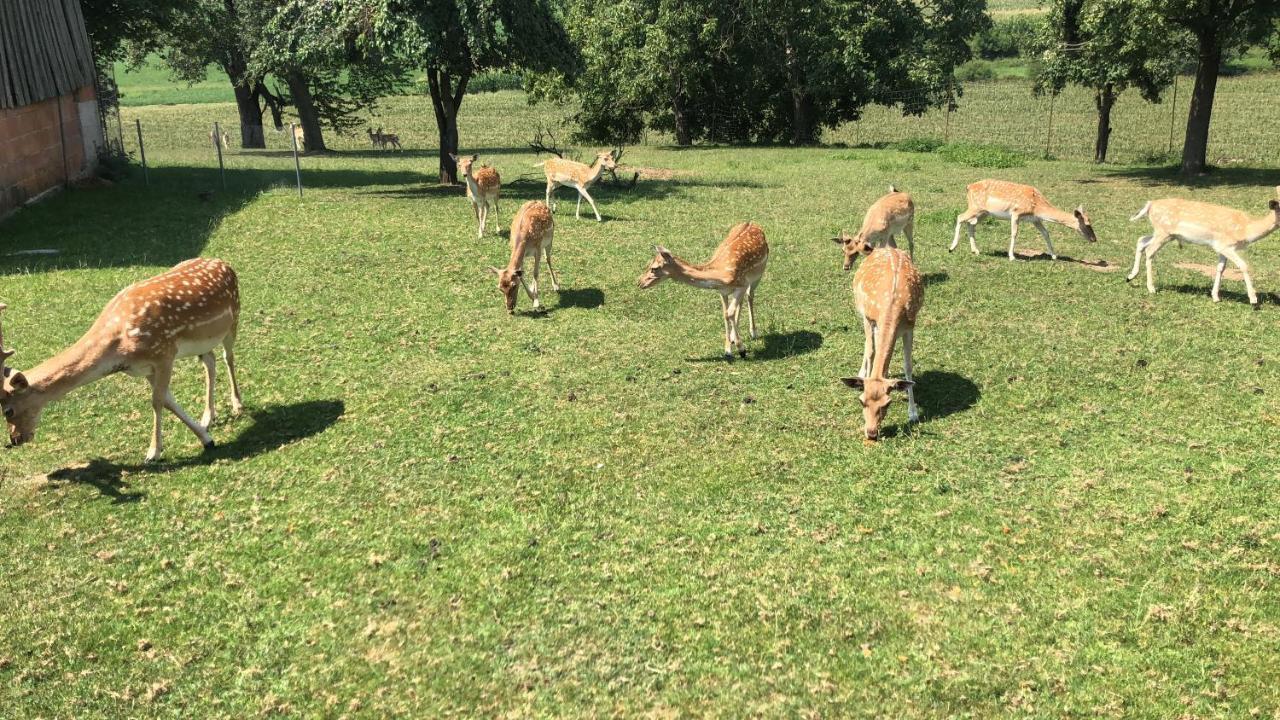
pixel 518 248
pixel 87 360
pixel 1053 214
pixel 1260 227
pixel 698 275
pixel 593 172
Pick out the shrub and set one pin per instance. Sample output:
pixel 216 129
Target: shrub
pixel 1009 37
pixel 981 156
pixel 917 145
pixel 975 70
pixel 495 80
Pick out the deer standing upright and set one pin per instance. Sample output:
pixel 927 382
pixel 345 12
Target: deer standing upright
pixel 1017 203
pixel 734 271
pixel 483 187
pixel 531 234
pixel 186 311
pixel 892 214
pixel 888 292
pixel 375 138
pixel 561 172
pixel 1226 230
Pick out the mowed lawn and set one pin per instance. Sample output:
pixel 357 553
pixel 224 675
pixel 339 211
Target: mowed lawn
pixel 431 508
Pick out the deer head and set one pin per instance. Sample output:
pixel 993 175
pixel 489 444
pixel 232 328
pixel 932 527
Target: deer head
pixel 509 284
pixel 874 397
pixel 1084 226
pixel 464 163
pixel 21 413
pixel 659 269
pixel 607 160
pixel 854 246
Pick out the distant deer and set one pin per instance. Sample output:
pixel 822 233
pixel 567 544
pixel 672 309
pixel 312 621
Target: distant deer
pixel 1017 203
pixel 890 215
pixel 483 187
pixel 390 139
pixel 888 292
pixel 186 311
pixel 561 172
pixel 734 271
pixel 1228 231
pixel 300 137
pixel 220 139
pixel 375 139
pixel 531 235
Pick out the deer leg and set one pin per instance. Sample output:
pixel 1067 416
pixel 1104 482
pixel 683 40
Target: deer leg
pixel 910 231
pixel 1013 233
pixel 584 194
pixel 481 215
pixel 961 220
pixel 578 214
pixel 1234 257
pixel 1048 242
pixel 751 308
pixel 172 406
pixel 210 371
pixel 532 286
pixel 229 356
pixel 868 347
pixel 551 186
pixel 724 313
pixel 1152 248
pixel 159 380
pixel 1217 277
pixel 1137 257
pixel 913 412
pixel 731 315
pixel 546 250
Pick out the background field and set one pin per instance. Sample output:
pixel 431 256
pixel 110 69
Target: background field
pixel 431 508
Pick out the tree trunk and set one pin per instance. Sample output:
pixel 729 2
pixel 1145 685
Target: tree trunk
pixel 446 100
pixel 681 115
pixel 804 130
pixel 311 132
pixel 250 118
pixel 1196 146
pixel 274 104
pixel 1105 100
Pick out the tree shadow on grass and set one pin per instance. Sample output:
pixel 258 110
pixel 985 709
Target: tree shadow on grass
pixel 1263 180
pixel 272 428
pixel 934 278
pixel 584 298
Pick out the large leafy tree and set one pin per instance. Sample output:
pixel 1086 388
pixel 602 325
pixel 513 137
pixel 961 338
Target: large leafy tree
pixel 1217 26
pixel 1107 46
pixel 119 28
pixel 452 40
pixel 769 70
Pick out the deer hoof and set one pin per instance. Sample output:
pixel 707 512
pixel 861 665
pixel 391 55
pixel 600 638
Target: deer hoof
pixel 728 356
pixel 210 445
pixel 742 353
pixel 1257 305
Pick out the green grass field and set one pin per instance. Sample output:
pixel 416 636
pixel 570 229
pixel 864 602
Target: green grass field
pixel 431 508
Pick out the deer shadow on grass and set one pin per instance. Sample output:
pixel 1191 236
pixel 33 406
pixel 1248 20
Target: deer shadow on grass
pixel 1045 257
pixel 939 394
pixel 1227 296
pixel 270 429
pixel 777 346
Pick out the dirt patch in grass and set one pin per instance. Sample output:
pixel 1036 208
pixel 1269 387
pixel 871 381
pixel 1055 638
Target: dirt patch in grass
pixel 1210 270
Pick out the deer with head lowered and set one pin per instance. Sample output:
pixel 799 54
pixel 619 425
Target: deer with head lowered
pixel 531 234
pixel 561 172
pixel 1227 231
pixel 483 187
pixel 1017 204
pixel 892 214
pixel 734 271
pixel 187 311
pixel 888 293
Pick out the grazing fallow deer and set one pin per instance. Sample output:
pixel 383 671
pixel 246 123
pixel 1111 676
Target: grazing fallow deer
pixel 483 186
pixel 888 292
pixel 1017 203
pixel 734 270
pixel 578 176
pixel 890 215
pixel 390 139
pixel 189 310
pixel 531 233
pixel 1226 230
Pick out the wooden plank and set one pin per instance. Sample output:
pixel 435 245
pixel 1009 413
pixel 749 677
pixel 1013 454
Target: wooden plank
pixel 45 51
pixel 6 92
pixel 13 44
pixel 83 48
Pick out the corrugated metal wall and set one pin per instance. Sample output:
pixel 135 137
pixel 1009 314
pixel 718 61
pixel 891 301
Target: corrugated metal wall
pixel 44 50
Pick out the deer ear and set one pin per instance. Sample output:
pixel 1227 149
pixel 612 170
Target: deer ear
pixel 18 381
pixel 1079 211
pixel 519 273
pixel 854 382
pixel 493 270
pixel 901 384
pixel 455 157
pixel 1274 204
pixel 475 158
pixel 665 253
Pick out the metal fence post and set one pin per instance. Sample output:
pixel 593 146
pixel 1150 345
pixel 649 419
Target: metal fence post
pixel 142 151
pixel 1173 113
pixel 1048 142
pixel 217 144
pixel 297 168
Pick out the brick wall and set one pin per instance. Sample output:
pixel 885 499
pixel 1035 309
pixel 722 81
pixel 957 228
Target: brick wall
pixel 35 157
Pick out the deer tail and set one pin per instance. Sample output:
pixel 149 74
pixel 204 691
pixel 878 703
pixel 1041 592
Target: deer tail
pixel 1142 213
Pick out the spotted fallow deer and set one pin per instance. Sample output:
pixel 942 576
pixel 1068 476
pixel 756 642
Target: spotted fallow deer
pixel 483 187
pixel 892 214
pixel 531 233
pixel 220 139
pixel 187 311
pixel 734 271
pixel 1017 204
pixel 578 176
pixel 1227 231
pixel 888 292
